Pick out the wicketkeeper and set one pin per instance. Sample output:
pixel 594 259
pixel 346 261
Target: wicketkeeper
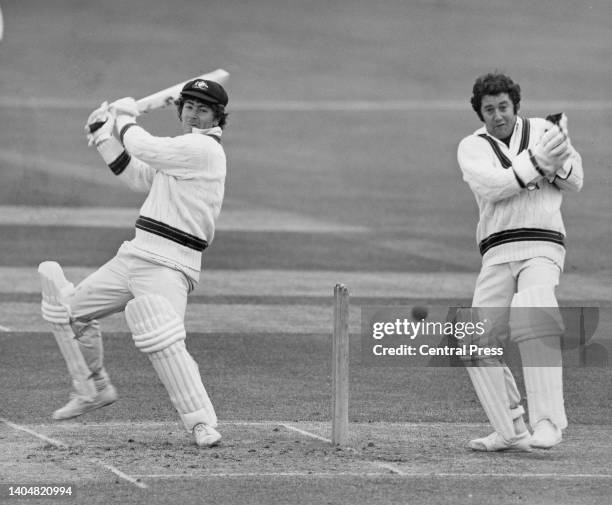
pixel 152 274
pixel 518 169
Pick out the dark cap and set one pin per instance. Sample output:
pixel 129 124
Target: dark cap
pixel 206 91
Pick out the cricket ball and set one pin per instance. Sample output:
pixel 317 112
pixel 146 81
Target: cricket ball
pixel 419 312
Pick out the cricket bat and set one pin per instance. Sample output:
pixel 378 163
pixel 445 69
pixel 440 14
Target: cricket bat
pixel 168 95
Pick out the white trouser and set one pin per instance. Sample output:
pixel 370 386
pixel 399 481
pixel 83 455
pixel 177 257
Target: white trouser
pixel 107 291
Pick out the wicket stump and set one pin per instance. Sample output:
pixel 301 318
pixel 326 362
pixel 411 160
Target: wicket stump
pixel 340 366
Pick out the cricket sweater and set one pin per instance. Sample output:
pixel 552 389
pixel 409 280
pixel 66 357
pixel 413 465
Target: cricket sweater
pixel 519 209
pixel 185 180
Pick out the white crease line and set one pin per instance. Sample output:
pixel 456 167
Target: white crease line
pixel 518 475
pixel 305 433
pixel 62 445
pixel 151 424
pixel 52 441
pixel 440 475
pixel 120 474
pixel 385 466
pixel 262 474
pixel 4 328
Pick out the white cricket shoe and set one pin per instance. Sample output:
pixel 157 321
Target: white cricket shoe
pixel 545 435
pixel 78 405
pixel 494 442
pixel 206 436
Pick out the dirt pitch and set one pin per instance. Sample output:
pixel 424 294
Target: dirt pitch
pixel 344 122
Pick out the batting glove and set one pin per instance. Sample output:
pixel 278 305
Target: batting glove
pixel 551 152
pixel 99 126
pixel 125 106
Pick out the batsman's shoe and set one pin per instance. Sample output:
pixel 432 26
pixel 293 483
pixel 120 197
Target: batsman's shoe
pixel 205 436
pixel 78 405
pixel 494 442
pixel 545 435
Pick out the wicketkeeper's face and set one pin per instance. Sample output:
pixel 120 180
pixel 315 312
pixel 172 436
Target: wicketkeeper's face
pixel 498 114
pixel 197 114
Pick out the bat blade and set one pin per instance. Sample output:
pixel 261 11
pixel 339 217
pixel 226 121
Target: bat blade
pixel 169 95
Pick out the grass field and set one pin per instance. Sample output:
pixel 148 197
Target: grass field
pixel 344 122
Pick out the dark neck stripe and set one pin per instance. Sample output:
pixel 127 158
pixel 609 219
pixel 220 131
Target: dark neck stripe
pixel 524 135
pixel 503 159
pixel 169 232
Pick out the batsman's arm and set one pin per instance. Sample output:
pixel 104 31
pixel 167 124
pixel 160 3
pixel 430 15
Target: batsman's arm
pixel 480 170
pixel 136 174
pixel 183 157
pixel 571 176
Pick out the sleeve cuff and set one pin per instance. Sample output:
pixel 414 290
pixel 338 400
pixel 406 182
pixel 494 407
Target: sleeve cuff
pixel 524 169
pixel 123 122
pixel 564 172
pixel 110 149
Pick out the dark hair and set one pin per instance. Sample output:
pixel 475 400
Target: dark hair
pixel 218 110
pixel 494 84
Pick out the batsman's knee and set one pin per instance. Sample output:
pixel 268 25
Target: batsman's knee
pixel 85 327
pixel 484 331
pixel 154 323
pixel 56 293
pixel 535 314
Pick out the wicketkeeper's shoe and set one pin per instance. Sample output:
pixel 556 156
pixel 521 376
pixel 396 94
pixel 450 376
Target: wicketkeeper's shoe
pixel 206 436
pixel 78 405
pixel 545 435
pixel 494 442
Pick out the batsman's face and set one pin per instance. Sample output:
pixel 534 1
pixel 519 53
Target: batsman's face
pixel 498 114
pixel 197 115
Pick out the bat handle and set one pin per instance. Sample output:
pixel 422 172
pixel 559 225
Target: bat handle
pixel 96 126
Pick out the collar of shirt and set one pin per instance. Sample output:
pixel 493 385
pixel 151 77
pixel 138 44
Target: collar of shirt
pixel 215 131
pixel 518 127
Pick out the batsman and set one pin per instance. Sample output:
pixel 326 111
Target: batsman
pixel 519 169
pixel 151 275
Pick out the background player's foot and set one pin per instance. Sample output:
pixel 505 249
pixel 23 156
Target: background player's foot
pixel 78 405
pixel 545 435
pixel 495 442
pixel 206 436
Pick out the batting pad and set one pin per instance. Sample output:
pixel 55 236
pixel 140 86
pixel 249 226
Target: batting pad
pixel 159 332
pixel 544 384
pixel 489 384
pixel 55 289
pixel 535 314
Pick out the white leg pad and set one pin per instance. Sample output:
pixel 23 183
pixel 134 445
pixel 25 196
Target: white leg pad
pixel 490 386
pixel 514 395
pixel 544 384
pixel 55 289
pixel 535 314
pixel 159 332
